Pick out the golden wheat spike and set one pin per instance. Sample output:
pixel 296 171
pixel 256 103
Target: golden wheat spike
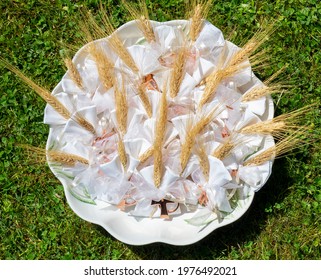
pixel 213 80
pixel 177 73
pixel 269 127
pixel 144 98
pixel 64 158
pixel 146 155
pixel 159 138
pixel 269 87
pixel 279 126
pixel 261 91
pixel 224 149
pixel 104 65
pixel 50 99
pixel 158 167
pixel 121 107
pixel 199 10
pixel 142 18
pixel 203 158
pixel 285 145
pixel 212 83
pixel 42 92
pixel 73 72
pixel 122 152
pixel 191 134
pixel 84 123
pixel 119 48
pixel 116 44
pixel 238 61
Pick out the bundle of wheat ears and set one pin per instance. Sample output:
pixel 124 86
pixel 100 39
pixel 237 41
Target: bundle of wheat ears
pixel 159 119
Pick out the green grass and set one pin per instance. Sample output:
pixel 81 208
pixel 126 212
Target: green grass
pixel 35 220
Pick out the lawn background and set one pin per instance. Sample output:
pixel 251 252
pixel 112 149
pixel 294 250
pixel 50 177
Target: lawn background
pixel 35 220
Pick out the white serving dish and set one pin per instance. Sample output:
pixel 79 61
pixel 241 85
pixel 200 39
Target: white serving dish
pixel 129 229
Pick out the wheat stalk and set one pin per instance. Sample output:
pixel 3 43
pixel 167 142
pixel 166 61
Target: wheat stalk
pixel 224 149
pixel 73 72
pixel 144 98
pixel 50 99
pixel 64 158
pixel 159 138
pixel 104 65
pixel 177 73
pixel 84 123
pixel 204 163
pixel 212 83
pixel 122 152
pixel 117 45
pixel 191 134
pixel 121 107
pixel 278 126
pixel 269 87
pixel 142 19
pixel 238 61
pixel 282 147
pixel 200 11
pixel 146 155
pixel 43 93
pixel 119 48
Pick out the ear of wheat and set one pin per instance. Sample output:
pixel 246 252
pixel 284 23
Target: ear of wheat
pixel 177 73
pixel 50 99
pixel 284 146
pixel 279 126
pixel 116 44
pixel 42 92
pixel 41 155
pixel 224 149
pixel 146 155
pixel 159 138
pixel 142 18
pixel 84 123
pixel 122 151
pixel 92 31
pixel 144 98
pixel 121 107
pixel 191 134
pixel 269 87
pixel 203 159
pixel 73 72
pixel 198 11
pixel 104 65
pixel 238 61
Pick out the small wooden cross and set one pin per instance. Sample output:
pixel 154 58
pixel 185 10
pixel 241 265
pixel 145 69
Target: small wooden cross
pixel 163 206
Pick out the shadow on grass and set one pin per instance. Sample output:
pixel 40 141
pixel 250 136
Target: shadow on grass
pixel 247 228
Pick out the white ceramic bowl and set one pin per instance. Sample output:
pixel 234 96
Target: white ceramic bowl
pixel 129 229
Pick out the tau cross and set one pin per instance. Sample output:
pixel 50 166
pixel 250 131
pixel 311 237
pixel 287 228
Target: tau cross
pixel 163 206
